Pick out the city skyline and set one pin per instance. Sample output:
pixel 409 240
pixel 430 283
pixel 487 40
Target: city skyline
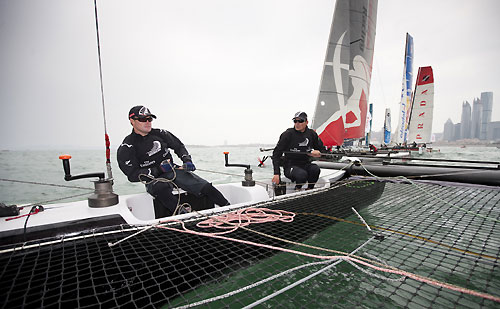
pixel 476 121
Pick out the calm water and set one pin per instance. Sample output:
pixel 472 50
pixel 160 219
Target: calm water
pixel 45 167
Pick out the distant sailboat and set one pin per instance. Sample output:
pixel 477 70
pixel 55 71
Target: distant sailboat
pixel 368 125
pixel 420 123
pixel 405 104
pixel 387 126
pixel 341 106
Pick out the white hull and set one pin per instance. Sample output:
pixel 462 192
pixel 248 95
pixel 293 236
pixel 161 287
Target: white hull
pixel 138 209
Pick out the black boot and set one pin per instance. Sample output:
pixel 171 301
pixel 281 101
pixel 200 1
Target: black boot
pixel 214 195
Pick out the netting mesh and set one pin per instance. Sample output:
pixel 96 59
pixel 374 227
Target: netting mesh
pixel 449 234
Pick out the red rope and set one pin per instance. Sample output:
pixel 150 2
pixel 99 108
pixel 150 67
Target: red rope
pixel 37 210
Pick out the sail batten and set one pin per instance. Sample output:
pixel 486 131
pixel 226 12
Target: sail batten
pixel 341 107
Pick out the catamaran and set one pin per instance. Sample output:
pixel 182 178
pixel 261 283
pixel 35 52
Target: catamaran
pixel 354 242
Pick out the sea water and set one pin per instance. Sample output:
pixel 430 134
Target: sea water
pixel 38 176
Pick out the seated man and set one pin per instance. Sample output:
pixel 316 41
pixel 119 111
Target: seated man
pixel 298 144
pixel 144 156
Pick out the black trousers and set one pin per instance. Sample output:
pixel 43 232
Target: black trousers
pixel 188 181
pixel 301 174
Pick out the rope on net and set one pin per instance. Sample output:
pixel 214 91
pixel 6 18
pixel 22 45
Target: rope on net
pixel 348 258
pixel 229 294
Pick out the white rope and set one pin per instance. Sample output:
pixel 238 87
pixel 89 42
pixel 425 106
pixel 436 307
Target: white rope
pixel 206 301
pixel 362 220
pixel 303 279
pixel 179 206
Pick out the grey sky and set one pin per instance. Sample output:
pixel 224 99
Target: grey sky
pixel 219 71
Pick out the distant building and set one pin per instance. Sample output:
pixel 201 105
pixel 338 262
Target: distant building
pixel 487 102
pixel 448 130
pixel 465 128
pixel 493 131
pixel 477 110
pixel 456 132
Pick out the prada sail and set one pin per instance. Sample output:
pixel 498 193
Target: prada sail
pixel 341 107
pixel 405 104
pixel 420 126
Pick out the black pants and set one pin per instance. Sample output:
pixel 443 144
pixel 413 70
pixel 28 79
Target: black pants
pixel 188 181
pixel 301 174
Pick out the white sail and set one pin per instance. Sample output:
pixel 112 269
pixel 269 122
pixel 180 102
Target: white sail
pixel 420 126
pixel 405 104
pixel 387 126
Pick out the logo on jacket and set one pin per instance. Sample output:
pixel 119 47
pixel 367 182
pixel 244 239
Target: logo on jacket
pixel 156 148
pixel 304 143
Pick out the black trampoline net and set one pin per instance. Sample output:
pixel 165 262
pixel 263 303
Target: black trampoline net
pixel 429 246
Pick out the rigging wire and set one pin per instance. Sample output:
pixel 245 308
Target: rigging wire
pixel 106 136
pixel 45 184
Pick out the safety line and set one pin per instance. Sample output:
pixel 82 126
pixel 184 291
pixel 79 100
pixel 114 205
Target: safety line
pixel 391 270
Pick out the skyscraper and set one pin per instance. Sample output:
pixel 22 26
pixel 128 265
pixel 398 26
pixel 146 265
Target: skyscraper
pixel 487 102
pixel 477 109
pixel 465 128
pixel 448 130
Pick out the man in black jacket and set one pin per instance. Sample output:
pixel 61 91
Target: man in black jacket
pixel 144 156
pixel 298 144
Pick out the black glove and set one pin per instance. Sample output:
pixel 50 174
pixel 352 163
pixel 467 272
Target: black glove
pixel 189 166
pixel 166 166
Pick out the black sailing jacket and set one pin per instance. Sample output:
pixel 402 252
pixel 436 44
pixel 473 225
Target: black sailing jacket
pixel 296 145
pixel 143 154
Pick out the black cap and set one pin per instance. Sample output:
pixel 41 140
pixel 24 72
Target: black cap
pixel 139 111
pixel 300 115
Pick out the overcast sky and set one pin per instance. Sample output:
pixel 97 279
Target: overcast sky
pixel 219 71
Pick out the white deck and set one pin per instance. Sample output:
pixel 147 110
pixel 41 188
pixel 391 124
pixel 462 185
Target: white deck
pixel 138 209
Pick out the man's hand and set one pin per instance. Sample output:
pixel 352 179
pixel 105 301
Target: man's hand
pixel 276 179
pixel 315 153
pixel 166 166
pixel 189 166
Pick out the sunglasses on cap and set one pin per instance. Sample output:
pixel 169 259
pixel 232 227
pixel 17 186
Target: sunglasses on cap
pixel 298 120
pixel 144 119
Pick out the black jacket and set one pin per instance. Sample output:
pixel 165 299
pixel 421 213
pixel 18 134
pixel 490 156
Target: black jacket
pixel 143 154
pixel 292 141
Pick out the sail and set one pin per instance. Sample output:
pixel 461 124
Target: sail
pixel 405 104
pixel 368 125
pixel 341 107
pixel 420 127
pixel 387 126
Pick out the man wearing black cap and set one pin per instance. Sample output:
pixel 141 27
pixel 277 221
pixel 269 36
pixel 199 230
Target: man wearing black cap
pixel 298 144
pixel 144 156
